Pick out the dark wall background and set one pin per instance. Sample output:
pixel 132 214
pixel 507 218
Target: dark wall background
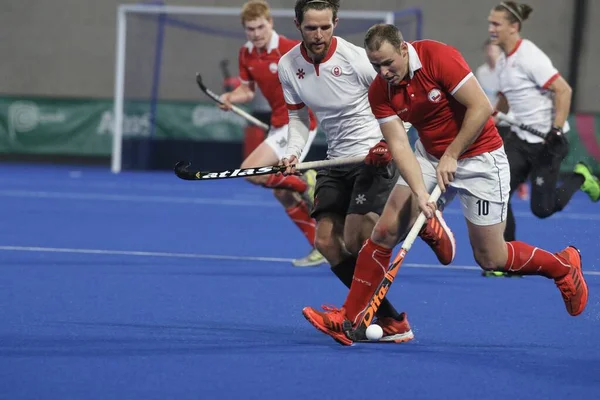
pixel 67 47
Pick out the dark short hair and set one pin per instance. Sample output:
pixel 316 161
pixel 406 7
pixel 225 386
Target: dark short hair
pixel 380 33
pixel 304 5
pixel 514 12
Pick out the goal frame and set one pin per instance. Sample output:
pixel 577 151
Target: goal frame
pixel 120 60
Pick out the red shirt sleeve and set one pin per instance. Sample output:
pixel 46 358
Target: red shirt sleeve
pixel 448 66
pixel 378 98
pixel 245 74
pixel 286 44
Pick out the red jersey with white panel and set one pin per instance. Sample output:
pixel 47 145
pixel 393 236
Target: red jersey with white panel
pixel 260 67
pixel 425 99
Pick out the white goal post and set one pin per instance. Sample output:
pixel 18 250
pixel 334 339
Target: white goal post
pixel 126 10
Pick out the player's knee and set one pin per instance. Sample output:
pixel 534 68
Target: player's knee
pixel 329 247
pixel 541 210
pixel 353 243
pixel 485 259
pixel 386 235
pixel 325 243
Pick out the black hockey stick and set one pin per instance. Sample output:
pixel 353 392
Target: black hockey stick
pixel 216 98
pixel 183 171
pixel 511 121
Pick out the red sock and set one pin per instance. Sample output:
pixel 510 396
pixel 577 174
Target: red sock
pixel 301 217
pixel 290 182
pixel 371 265
pixel 524 259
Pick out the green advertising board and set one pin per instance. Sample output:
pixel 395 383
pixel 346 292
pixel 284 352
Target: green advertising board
pixel 85 127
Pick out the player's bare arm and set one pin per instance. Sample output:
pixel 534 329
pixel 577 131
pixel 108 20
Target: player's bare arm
pixel 242 94
pixel 562 100
pixel 397 139
pixel 478 111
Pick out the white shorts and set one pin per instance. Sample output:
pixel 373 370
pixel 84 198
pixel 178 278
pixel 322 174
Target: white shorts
pixel 278 140
pixel 482 183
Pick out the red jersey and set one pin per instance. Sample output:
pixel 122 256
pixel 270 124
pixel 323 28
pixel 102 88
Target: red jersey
pixel 261 68
pixel 425 99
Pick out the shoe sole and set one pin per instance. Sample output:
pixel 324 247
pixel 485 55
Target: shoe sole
pixel 325 331
pixel 309 264
pixel 398 338
pixel 491 274
pixel 585 287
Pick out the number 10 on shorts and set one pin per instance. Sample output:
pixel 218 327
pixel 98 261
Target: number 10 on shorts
pixel 483 207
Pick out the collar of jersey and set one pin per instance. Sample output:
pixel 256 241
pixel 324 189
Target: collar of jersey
pixel 273 43
pixel 517 45
pixel 414 63
pixel 329 54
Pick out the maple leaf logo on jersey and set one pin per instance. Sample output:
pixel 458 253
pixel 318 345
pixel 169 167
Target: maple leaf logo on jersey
pixel 300 74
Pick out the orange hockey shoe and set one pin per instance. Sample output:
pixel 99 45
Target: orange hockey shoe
pixel 440 238
pixel 332 322
pixel 394 330
pixel 572 286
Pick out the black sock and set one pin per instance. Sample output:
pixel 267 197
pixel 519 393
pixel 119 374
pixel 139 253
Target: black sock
pixel 345 271
pixel 571 185
pixel 511 228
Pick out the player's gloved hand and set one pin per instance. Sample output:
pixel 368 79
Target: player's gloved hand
pixel 225 98
pixel 379 155
pixel 557 142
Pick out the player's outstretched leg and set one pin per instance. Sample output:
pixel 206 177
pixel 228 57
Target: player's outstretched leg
pixel 564 267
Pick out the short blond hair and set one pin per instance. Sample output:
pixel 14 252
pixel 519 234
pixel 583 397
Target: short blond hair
pixel 255 9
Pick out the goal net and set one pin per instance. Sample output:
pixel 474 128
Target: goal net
pixel 160 49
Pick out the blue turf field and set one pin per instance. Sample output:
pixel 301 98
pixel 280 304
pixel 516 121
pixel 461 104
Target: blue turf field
pixel 142 286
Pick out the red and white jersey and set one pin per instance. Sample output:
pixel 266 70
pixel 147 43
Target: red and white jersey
pixel 261 68
pixel 425 99
pixel 524 76
pixel 336 90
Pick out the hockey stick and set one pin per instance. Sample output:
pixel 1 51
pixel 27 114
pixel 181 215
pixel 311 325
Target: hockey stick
pixel 367 316
pixel 215 97
pixel 511 121
pixel 183 171
pixel 229 82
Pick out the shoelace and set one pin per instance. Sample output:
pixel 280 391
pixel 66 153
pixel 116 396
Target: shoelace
pixel 430 236
pixel 330 308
